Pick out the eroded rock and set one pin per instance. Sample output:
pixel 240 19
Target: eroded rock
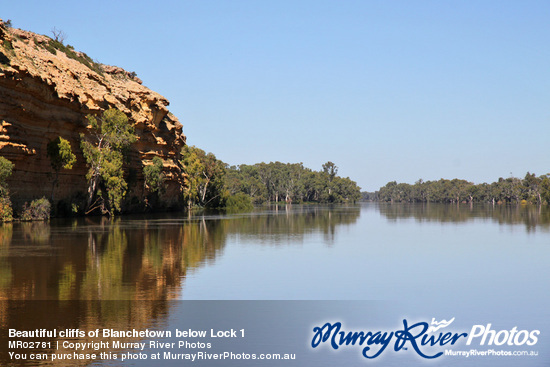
pixel 46 92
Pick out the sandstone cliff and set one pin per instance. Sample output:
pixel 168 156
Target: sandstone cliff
pixel 46 91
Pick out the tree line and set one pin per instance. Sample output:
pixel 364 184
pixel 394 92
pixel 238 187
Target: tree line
pixel 291 182
pixel 512 190
pixel 211 182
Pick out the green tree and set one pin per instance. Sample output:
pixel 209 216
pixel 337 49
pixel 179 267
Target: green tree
pixel 512 190
pixel 292 182
pixel 245 179
pixel 330 170
pixel 103 150
pixel 267 178
pixel 6 169
pixel 203 177
pixel 531 188
pixel 6 211
pixel 61 157
pixel 154 178
pixel 545 188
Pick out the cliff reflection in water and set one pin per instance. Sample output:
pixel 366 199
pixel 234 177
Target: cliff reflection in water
pixel 531 216
pixel 53 276
pixel 145 259
pixel 102 259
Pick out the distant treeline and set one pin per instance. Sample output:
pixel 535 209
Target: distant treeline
pixel 531 189
pixel 291 182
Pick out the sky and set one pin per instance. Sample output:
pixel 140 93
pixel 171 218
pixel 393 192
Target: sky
pixel 387 90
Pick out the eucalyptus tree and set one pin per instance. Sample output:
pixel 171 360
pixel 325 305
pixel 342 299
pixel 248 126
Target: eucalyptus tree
pixel 110 134
pixel 203 177
pixel 154 177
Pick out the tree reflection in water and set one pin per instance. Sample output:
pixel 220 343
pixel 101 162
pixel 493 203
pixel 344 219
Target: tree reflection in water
pixel 93 273
pixel 533 217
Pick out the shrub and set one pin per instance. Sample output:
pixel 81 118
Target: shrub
pixel 53 46
pixel 6 211
pixel 8 45
pixel 39 209
pixel 239 202
pixel 6 168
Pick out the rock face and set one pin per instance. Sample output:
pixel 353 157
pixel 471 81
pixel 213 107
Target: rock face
pixel 47 89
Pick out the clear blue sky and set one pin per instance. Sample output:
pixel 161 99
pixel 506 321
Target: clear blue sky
pixel 388 90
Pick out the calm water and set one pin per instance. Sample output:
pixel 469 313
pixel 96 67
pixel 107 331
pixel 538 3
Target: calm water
pixel 479 264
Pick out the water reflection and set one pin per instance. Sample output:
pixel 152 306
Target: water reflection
pixel 137 258
pixel 73 315
pixel 289 225
pixel 68 274
pixel 99 259
pixel 531 216
pixel 134 266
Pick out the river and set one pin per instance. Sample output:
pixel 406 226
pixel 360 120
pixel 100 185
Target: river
pixel 477 264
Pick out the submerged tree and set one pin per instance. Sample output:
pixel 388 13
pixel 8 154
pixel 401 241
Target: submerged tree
pixel 103 150
pixel 61 156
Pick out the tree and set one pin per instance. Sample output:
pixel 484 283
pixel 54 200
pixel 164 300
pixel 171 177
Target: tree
pixel 330 169
pixel 61 157
pixel 245 179
pixel 103 150
pixel 192 167
pixel 345 190
pixel 312 185
pixel 545 188
pixel 6 211
pixel 512 190
pixel 204 177
pixel 267 178
pixel 532 189
pixel 59 35
pixel 6 168
pixel 154 178
pixel 292 182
